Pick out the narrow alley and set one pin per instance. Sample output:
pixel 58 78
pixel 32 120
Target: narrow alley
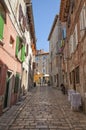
pixel 42 65
pixel 47 109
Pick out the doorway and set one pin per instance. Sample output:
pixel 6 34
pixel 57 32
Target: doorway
pixel 73 79
pixel 7 89
pixel 57 80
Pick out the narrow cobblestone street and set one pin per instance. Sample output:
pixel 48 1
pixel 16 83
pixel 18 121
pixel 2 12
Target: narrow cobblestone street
pixel 48 109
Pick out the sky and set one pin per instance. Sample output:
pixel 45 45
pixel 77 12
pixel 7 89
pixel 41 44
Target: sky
pixel 44 12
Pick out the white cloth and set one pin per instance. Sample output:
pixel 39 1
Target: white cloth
pixel 75 100
pixel 70 91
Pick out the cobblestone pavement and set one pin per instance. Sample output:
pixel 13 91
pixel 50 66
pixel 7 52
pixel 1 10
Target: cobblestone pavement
pixel 48 109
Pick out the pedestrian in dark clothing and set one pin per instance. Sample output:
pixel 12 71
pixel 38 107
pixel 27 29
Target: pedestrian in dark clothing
pixel 34 84
pixel 48 83
pixel 63 88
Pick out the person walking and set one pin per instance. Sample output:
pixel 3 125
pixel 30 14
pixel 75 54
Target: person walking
pixel 63 88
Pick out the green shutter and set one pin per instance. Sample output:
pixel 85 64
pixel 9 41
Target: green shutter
pixel 16 83
pixel 17 45
pixel 23 53
pixel 1 27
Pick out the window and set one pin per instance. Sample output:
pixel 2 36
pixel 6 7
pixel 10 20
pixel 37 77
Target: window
pixel 54 78
pixel 56 61
pixel 72 5
pixel 22 19
pixel 83 20
pixel 66 77
pixel 83 17
pixel 43 70
pixel 36 70
pixel 71 45
pixel 64 32
pixel 73 40
pixel 51 66
pixel 11 41
pixel 51 54
pixel 27 49
pixel 70 77
pixel 44 57
pixel 36 64
pixel 77 74
pixel 37 58
pixel 69 21
pixel 16 83
pixel 20 49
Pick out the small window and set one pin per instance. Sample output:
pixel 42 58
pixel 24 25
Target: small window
pixel 83 18
pixel 69 21
pixel 66 77
pixel 43 70
pixel 70 77
pixel 54 78
pixel 27 49
pixel 37 58
pixel 44 57
pixel 36 64
pixel 77 74
pixel 36 70
pixel 64 33
pixel 72 5
pixel 11 41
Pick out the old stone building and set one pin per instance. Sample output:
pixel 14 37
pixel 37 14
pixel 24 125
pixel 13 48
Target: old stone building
pixel 10 67
pixel 56 42
pixel 74 59
pixel 41 74
pixel 17 50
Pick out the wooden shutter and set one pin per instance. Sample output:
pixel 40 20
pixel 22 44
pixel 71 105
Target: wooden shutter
pixel 17 45
pixel 23 53
pixel 1 27
pixel 16 83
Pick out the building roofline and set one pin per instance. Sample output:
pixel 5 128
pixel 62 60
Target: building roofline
pixel 53 25
pixel 46 53
pixel 31 23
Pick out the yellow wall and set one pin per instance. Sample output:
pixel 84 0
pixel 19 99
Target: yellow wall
pixel 37 77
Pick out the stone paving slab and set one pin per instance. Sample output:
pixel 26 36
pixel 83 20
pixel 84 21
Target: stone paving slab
pixel 9 116
pixel 47 109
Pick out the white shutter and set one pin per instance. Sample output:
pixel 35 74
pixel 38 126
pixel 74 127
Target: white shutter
pixel 76 34
pixel 84 13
